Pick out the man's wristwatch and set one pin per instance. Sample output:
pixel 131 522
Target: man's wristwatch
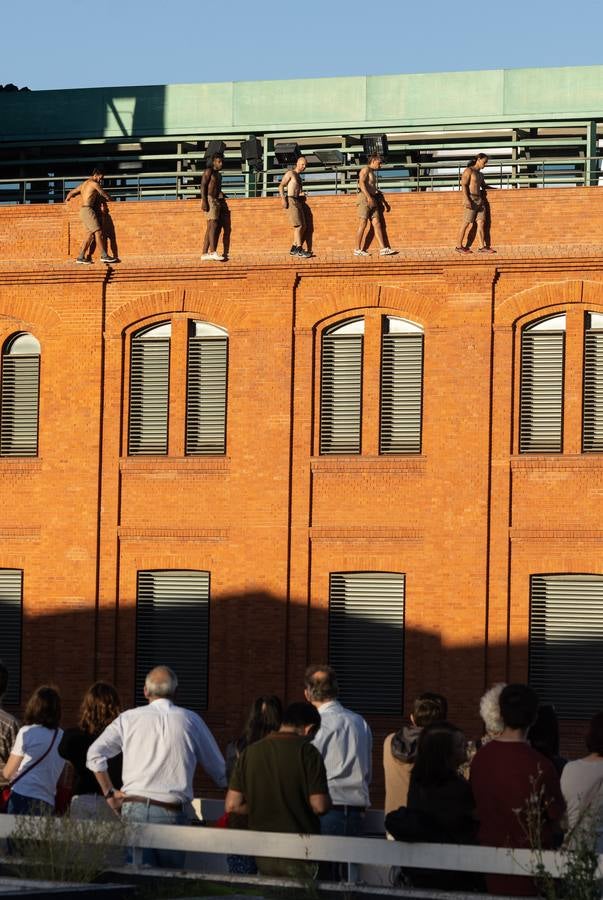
pixel 110 793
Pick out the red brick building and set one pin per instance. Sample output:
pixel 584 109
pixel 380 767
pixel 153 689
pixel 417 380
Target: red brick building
pixel 224 479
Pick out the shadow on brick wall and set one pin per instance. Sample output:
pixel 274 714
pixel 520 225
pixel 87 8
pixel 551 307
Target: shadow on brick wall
pixel 250 655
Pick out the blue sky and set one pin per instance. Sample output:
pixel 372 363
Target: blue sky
pixel 50 44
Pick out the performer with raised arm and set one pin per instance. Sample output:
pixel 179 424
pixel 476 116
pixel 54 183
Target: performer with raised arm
pixel 294 200
pixel 371 204
pixel 474 190
pixel 93 196
pixel 213 204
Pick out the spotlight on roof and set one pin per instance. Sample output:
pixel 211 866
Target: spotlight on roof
pixel 375 143
pixel 251 151
pixel 287 154
pixel 214 148
pixel 330 158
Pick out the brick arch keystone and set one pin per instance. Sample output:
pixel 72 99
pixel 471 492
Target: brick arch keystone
pixel 143 307
pixel 28 315
pixel 408 302
pixel 550 293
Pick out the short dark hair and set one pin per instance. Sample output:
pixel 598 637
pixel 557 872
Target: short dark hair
pixel 43 708
pixel 429 707
pixel 300 715
pixel 544 732
pixel 437 754
pixel 594 735
pixel 321 682
pixel 518 705
pixel 3 680
pixel 372 156
pixel 98 172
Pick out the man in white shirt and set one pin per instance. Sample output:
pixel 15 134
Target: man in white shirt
pixel 162 744
pixel 345 743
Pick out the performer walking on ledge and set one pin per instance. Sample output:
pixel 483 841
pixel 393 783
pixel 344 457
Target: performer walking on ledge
pixel 371 204
pixel 294 200
pixel 92 197
pixel 474 190
pixel 213 204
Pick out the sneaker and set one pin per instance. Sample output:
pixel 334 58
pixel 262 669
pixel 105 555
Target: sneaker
pixel 109 259
pixel 463 250
pixel 304 254
pixel 358 252
pixel 485 250
pixel 215 256
pixel 294 250
pixel 387 251
pixel 83 262
pixel 206 256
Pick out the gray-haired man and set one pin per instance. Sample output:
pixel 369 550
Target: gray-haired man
pixel 162 744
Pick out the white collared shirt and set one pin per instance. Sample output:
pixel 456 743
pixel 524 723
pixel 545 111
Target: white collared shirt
pixel 345 743
pixel 161 744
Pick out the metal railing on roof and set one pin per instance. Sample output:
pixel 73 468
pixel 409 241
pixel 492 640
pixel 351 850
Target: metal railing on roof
pixel 434 175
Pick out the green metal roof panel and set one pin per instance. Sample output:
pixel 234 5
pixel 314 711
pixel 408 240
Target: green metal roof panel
pixel 314 101
pixel 356 103
pixel 430 98
pixel 567 91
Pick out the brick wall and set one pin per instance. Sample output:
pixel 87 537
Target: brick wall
pixel 467 521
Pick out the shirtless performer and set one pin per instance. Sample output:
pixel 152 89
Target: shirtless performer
pixel 474 190
pixel 213 204
pixel 93 197
pixel 294 200
pixel 371 203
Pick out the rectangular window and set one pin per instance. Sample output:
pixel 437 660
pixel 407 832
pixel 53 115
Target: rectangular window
pixel 566 634
pixel 541 391
pixel 19 405
pixel 366 639
pixel 149 395
pixel 206 395
pixel 401 393
pixel 11 616
pixel 172 629
pixel 341 393
pixel 592 434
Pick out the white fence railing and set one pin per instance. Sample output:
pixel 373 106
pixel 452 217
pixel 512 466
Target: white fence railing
pixel 356 851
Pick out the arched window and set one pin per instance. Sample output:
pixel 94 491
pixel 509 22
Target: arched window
pixel 20 396
pixel 541 386
pixel 149 390
pixel 172 629
pixel 592 420
pixel 341 387
pixel 401 386
pixel 366 639
pixel 206 389
pixel 566 631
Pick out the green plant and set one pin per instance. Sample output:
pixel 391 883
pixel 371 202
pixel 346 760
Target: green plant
pixel 65 849
pixel 577 878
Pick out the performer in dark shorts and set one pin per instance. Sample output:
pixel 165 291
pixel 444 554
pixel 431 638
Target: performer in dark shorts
pixel 371 204
pixel 294 201
pixel 474 190
pixel 213 204
pixel 93 196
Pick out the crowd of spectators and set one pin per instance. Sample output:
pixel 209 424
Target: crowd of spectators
pixel 307 769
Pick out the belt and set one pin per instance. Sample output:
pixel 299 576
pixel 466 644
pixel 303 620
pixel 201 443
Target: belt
pixel 347 808
pixel 132 799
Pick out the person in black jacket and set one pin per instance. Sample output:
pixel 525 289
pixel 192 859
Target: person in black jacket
pixel 440 807
pixel 100 706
